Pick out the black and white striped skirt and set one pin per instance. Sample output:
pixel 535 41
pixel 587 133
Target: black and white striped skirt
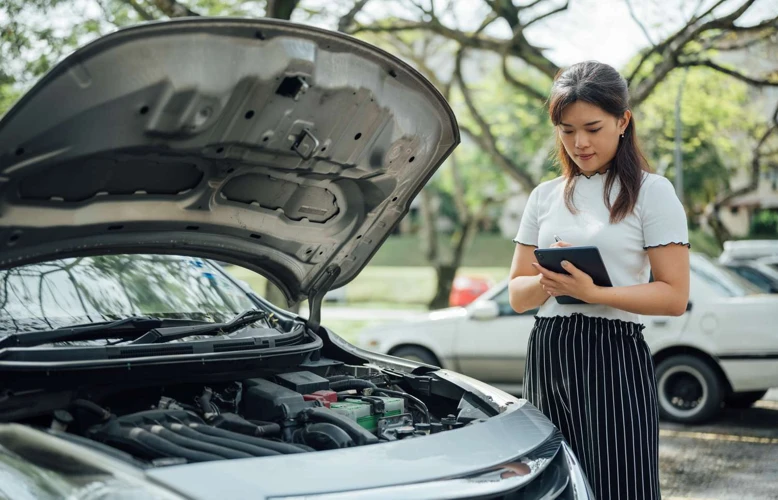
pixel 594 378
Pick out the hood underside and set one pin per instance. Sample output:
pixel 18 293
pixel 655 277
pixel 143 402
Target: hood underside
pixel 287 149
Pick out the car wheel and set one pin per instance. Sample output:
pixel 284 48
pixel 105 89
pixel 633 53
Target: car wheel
pixel 744 399
pixel 416 353
pixel 688 388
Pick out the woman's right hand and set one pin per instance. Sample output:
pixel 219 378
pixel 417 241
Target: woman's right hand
pixel 561 244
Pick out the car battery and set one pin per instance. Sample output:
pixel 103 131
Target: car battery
pixel 366 413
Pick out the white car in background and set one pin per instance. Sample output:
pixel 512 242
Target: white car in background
pixel 723 350
pixel 739 250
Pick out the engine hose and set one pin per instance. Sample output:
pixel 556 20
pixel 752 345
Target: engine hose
pixel 236 423
pixel 266 428
pixel 255 451
pixel 204 401
pixel 263 443
pixel 356 383
pixel 414 399
pixel 359 434
pixel 153 445
pixel 194 444
pixel 150 417
pixel 92 407
pixel 324 436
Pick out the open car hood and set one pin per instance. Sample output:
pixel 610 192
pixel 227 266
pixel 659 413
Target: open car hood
pixel 287 149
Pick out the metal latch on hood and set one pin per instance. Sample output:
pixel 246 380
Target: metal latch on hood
pixel 303 148
pixel 316 296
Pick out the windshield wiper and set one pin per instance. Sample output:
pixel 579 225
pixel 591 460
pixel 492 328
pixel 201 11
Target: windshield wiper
pixel 158 335
pixel 146 330
pixel 126 328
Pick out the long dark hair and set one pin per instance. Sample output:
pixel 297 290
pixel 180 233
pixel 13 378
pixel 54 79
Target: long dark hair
pixel 602 86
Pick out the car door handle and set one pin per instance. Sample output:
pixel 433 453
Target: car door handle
pixel 660 322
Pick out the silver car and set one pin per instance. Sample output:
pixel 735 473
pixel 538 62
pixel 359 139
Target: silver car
pixel 132 366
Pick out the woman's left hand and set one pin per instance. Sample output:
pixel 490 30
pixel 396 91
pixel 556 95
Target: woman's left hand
pixel 578 284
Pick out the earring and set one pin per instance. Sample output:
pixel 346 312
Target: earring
pixel 622 136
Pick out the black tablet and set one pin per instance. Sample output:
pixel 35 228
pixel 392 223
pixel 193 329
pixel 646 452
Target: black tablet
pixel 587 259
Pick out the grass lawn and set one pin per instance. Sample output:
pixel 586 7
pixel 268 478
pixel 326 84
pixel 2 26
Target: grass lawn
pixel 348 329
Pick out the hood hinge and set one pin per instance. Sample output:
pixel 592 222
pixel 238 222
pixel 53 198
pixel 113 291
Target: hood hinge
pixel 317 293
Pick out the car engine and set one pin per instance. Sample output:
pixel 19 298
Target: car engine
pixel 292 412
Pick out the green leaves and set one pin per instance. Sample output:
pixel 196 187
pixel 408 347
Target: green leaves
pixel 718 126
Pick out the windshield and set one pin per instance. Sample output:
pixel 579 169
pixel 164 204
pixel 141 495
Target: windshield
pixel 724 281
pixel 82 290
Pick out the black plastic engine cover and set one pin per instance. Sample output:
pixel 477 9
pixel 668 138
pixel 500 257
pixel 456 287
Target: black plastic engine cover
pixel 303 382
pixel 265 400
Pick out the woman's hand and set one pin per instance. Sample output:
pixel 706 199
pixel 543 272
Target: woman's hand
pixel 577 284
pixel 561 244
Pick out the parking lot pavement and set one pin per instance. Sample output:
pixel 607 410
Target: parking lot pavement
pixel 733 457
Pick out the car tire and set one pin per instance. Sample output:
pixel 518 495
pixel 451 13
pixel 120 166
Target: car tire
pixel 416 353
pixel 689 390
pixel 744 399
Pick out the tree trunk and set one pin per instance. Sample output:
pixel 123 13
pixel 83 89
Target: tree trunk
pixel 445 274
pixel 429 233
pixel 280 9
pixel 720 231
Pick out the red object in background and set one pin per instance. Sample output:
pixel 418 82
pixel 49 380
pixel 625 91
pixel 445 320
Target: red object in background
pixel 466 289
pixel 326 397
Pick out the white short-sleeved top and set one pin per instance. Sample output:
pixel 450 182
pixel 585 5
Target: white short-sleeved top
pixel 658 219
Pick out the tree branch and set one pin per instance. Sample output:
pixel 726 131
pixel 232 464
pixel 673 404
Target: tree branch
pixel 140 10
pixel 488 20
pixel 639 23
pixel 531 4
pixel 755 164
pixel 708 12
pixel 280 9
pixel 421 65
pixel 517 46
pixel 547 14
pixel 505 9
pixel 743 44
pixel 486 139
pixel 464 39
pixel 772 82
pixel 172 8
pixel 347 21
pixel 672 48
pixel 528 89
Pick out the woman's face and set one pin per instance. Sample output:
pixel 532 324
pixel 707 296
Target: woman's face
pixel 590 135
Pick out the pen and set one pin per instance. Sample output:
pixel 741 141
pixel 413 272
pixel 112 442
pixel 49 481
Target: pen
pixel 557 239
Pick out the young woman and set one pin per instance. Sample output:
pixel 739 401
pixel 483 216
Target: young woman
pixel 588 368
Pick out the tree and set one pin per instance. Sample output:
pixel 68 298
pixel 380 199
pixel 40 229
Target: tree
pixel 718 128
pixel 705 33
pixel 498 33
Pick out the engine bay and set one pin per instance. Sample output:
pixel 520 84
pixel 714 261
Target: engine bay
pixel 333 406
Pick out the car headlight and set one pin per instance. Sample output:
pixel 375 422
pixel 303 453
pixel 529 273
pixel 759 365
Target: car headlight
pixel 35 465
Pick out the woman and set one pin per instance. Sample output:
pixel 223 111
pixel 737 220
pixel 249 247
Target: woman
pixel 588 368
